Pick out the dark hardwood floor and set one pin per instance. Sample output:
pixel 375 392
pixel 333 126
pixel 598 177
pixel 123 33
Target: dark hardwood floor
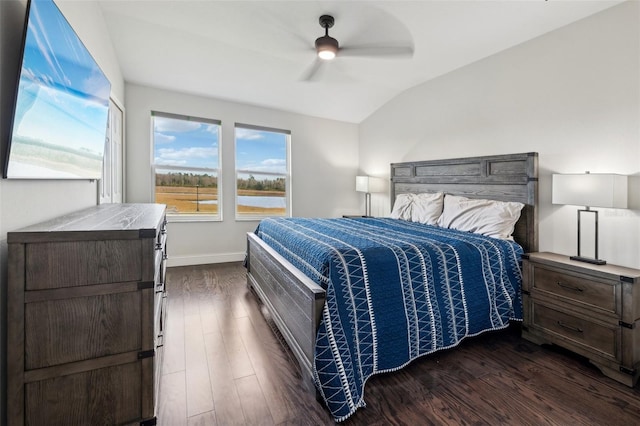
pixel 223 365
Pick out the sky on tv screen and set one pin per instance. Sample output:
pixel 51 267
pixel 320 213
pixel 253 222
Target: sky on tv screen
pixel 60 120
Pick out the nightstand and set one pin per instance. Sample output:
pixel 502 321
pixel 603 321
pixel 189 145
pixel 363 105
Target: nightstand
pixel 589 309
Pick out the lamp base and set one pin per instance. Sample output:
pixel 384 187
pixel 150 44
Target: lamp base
pixel 589 260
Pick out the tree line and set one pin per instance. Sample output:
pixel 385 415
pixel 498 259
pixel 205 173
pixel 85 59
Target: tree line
pixel 277 184
pixel 186 179
pixel 208 181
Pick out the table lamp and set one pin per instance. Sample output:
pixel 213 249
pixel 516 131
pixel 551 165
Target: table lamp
pixel 368 184
pixel 590 190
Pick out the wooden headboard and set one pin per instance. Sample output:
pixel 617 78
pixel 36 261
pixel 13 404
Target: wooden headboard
pixel 510 177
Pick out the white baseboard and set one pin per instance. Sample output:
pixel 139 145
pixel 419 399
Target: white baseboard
pixel 204 259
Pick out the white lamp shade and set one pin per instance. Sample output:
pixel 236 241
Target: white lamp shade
pixel 368 184
pixel 590 190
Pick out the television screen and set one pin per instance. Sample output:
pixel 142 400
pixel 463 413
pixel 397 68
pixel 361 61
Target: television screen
pixel 61 104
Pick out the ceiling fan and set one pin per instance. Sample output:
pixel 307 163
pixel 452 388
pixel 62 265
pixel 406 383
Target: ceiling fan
pixel 327 48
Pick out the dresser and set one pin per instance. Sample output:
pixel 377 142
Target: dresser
pixel 589 309
pixel 85 303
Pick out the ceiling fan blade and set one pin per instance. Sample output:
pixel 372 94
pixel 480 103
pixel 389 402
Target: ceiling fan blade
pixel 378 51
pixel 312 70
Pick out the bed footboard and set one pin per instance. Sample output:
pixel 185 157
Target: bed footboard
pixel 293 300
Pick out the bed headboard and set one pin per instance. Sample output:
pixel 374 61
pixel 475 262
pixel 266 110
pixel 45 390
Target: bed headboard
pixel 509 177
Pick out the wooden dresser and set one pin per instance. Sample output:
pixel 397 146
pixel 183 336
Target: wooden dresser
pixel 85 317
pixel 589 309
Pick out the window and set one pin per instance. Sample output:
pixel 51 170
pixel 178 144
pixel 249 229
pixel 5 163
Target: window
pixel 186 157
pixel 262 172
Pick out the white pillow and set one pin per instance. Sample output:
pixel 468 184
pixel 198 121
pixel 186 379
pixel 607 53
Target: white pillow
pixel 402 207
pixel 427 207
pixel 424 208
pixel 487 217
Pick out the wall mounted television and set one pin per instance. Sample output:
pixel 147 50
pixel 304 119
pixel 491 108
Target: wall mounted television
pixel 61 104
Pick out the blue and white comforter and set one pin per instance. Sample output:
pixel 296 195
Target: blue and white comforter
pixel 396 290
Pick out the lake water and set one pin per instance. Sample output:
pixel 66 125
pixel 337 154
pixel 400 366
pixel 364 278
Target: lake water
pixel 255 201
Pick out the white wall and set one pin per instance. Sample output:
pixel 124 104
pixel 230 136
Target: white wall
pixel 24 202
pixel 324 165
pixel 572 95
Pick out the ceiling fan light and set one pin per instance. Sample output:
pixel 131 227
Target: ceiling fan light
pixel 327 55
pixel 327 47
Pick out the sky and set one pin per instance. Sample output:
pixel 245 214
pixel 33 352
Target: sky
pixel 193 143
pixel 63 96
pixel 185 143
pixel 258 150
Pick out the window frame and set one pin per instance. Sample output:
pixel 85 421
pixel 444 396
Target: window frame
pixel 189 217
pixel 286 174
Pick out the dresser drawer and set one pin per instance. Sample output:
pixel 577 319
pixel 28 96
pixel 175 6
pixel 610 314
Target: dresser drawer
pixel 80 328
pixel 160 268
pixel 159 283
pixel 102 396
pixel 82 263
pixel 578 288
pixel 590 335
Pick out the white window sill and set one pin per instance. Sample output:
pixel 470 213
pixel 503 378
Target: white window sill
pixel 184 218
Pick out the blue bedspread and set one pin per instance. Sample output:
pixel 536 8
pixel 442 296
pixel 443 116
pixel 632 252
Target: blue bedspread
pixel 396 290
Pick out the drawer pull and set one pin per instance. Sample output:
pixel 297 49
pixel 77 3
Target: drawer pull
pixel 569 287
pixel 569 327
pixel 146 354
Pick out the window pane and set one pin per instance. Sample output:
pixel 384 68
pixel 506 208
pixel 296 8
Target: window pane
pixel 261 195
pixel 185 192
pixel 186 158
pixel 261 173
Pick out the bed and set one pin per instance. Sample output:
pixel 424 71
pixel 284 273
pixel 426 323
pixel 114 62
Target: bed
pixel 306 314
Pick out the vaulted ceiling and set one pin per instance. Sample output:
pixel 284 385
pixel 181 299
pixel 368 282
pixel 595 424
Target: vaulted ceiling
pixel 256 52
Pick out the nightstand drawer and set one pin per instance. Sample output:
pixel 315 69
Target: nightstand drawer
pixel 577 288
pixel 581 331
